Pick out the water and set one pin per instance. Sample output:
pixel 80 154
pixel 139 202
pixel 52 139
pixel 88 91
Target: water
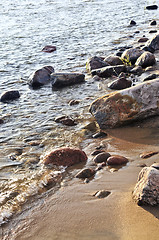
pixel 79 29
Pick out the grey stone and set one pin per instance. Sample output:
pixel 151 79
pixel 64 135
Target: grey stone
pixel 131 55
pixel 95 63
pixel 109 71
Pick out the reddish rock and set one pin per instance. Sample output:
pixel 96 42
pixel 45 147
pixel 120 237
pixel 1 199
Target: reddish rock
pixel 86 173
pixel 116 160
pixel 101 157
pixel 148 154
pixel 49 49
pixel 65 157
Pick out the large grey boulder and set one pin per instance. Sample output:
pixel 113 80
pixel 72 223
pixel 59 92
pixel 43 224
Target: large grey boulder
pixel 145 60
pixel 109 71
pixel 60 80
pixel 128 105
pixel 95 63
pixel 131 55
pixel 146 190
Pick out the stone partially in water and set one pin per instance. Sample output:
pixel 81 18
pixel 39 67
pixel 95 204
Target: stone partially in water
pixel 116 160
pixel 101 157
pixel 109 71
pixel 86 173
pixel 148 154
pixel 9 96
pixel 145 60
pixel 131 55
pixel 65 157
pixel 95 63
pixel 102 194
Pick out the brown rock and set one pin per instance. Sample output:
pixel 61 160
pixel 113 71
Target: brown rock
pixel 148 154
pixel 109 71
pixel 65 157
pixel 101 157
pixel 86 173
pixel 95 63
pixel 116 160
pixel 102 194
pixel 49 49
pixel 120 83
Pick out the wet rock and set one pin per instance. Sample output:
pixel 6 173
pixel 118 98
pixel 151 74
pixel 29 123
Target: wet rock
pixel 9 96
pixel 153 44
pixel 74 102
pixel 152 7
pixel 1 121
pixel 99 135
pixel 97 78
pixel 113 60
pixel 146 191
pixel 49 49
pixel 141 165
pixel 41 77
pixel 102 194
pixel 155 165
pixel 65 157
pixel 128 105
pixel 100 166
pixel 101 157
pixel 132 22
pixel 150 77
pixel 65 120
pixel 137 70
pixel 96 152
pixel 60 80
pixel 131 55
pixel 153 22
pixel 95 63
pixel 120 83
pixel 153 31
pixel 143 39
pixel 86 173
pixel 148 154
pixel 116 160
pixel 145 60
pixel 109 71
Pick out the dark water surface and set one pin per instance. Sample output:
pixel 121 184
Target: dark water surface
pixel 79 29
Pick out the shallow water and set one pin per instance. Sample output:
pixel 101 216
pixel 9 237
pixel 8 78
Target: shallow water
pixel 79 29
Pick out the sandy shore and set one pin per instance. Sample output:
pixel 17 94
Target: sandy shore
pixel 74 213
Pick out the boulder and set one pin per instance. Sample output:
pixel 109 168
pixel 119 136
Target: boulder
pixel 86 173
pixel 145 60
pixel 128 105
pixel 120 83
pixel 153 31
pixel 131 55
pixel 148 154
pixel 65 157
pixel 116 160
pixel 49 49
pixel 153 44
pixel 113 60
pixel 101 157
pixel 41 77
pixel 109 71
pixel 9 96
pixel 152 7
pixel 146 191
pixel 95 63
pixel 60 80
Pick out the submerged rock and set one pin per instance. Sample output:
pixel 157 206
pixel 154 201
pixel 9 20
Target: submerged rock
pixel 153 23
pixel 41 77
pixel 95 63
pixel 116 160
pixel 109 71
pixel 9 96
pixel 145 60
pixel 148 154
pixel 60 80
pixel 120 83
pixel 146 191
pixel 122 107
pixel 65 157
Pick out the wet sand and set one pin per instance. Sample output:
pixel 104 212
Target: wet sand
pixel 74 213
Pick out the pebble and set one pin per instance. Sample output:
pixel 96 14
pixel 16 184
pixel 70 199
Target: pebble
pixel 96 152
pixel 102 194
pixel 148 154
pixel 86 173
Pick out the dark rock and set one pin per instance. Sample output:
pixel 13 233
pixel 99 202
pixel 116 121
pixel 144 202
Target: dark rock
pixel 153 31
pixel 41 77
pixel 155 165
pixel 100 166
pixel 102 194
pixel 109 71
pixel 95 63
pixel 113 60
pixel 1 121
pixel 137 70
pixel 145 60
pixel 116 160
pixel 9 96
pixel 141 165
pixel 86 173
pixel 65 157
pixel 152 7
pixel 120 83
pixel 49 49
pixel 153 22
pixel 137 31
pixel 65 120
pixel 131 55
pixel 132 22
pixel 101 157
pixel 150 77
pixel 96 152
pixel 99 135
pixel 74 102
pixel 60 80
pixel 97 78
pixel 143 39
pixel 153 44
pixel 148 154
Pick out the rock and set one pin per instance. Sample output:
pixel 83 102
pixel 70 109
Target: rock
pixel 101 157
pixel 132 22
pixel 148 154
pixel 99 135
pixel 97 78
pixel 145 60
pixel 141 165
pixel 86 173
pixel 113 60
pixel 1 121
pixel 153 44
pixel 74 102
pixel 96 152
pixel 49 49
pixel 153 23
pixel 131 55
pixel 100 166
pixel 153 31
pixel 65 120
pixel 102 194
pixel 65 157
pixel 109 71
pixel 143 39
pixel 9 96
pixel 120 83
pixel 95 63
pixel 60 80
pixel 116 160
pixel 155 165
pixel 128 105
pixel 146 191
pixel 151 7
pixel 137 70
pixel 150 77
pixel 41 77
